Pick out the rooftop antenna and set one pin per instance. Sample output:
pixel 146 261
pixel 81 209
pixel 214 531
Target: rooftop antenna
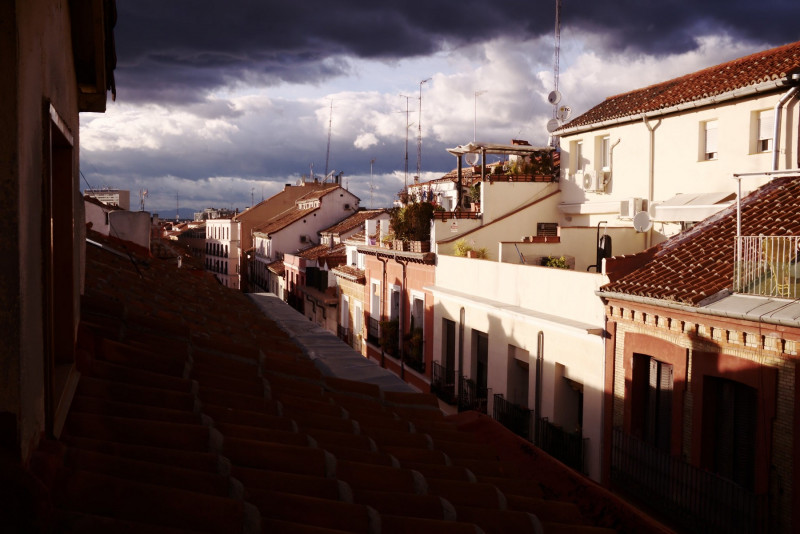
pixel 252 202
pixel 560 114
pixel 419 135
pixel 142 196
pixel 405 188
pixel 177 206
pixel 371 185
pixel 330 127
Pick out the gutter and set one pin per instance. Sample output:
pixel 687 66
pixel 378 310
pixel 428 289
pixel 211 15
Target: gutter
pixel 683 106
pixel 693 309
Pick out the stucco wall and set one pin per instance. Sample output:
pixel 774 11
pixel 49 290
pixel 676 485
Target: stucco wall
pixel 35 34
pixel 678 167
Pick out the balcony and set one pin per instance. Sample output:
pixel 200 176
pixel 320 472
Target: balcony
pixel 694 499
pixel 443 383
pixel 767 266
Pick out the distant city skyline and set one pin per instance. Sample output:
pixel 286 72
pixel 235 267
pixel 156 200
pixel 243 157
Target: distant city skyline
pixel 220 102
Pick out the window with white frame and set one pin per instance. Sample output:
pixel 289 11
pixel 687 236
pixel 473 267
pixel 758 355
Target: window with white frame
pixel 710 140
pixel 605 153
pixel 765 125
pixel 576 156
pixel 375 299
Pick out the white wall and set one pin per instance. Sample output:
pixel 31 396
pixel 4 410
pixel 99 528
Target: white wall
pixel 512 304
pixel 678 163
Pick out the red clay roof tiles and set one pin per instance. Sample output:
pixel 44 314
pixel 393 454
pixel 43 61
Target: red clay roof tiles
pixel 773 64
pixel 698 263
pixel 250 436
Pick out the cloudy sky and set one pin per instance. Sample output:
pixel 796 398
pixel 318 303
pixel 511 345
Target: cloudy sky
pixel 220 102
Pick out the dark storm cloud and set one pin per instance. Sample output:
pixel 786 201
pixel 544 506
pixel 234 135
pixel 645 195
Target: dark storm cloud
pixel 175 50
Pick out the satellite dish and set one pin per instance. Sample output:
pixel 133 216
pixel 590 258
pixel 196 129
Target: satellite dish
pixel 564 113
pixel 554 97
pixel 642 221
pixel 472 158
pixel 552 125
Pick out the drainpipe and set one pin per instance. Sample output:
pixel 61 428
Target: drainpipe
pixel 611 160
pixel 401 320
pixel 651 171
pixel 382 304
pixel 459 174
pixel 537 400
pixel 776 135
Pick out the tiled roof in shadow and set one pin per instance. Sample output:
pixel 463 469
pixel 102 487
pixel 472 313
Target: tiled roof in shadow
pixel 698 263
pixel 196 413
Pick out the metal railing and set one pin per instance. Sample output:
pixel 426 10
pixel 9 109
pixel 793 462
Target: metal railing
pixel 516 418
pixel 443 383
pixel 471 396
pixel 344 334
pixel 767 266
pixel 692 498
pixel 567 447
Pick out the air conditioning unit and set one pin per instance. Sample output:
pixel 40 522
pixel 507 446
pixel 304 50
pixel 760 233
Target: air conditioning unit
pixel 590 181
pixel 629 208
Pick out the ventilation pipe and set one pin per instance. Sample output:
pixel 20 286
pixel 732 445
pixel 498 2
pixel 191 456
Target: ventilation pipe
pixel 776 135
pixel 651 171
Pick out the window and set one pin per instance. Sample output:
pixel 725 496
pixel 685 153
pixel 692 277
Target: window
pixel 765 123
pixel 518 371
pixel 604 153
pixel 375 300
pixel 418 311
pixel 576 158
pixel 729 429
pixel 652 403
pixel 394 310
pixel 710 140
pixel 58 275
pixel 547 229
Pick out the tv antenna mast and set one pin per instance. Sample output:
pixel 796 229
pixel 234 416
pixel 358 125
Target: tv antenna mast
pixel 419 135
pixel 408 125
pixel 330 127
pixel 371 185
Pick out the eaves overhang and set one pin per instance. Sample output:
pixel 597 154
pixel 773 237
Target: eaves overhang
pixel 742 92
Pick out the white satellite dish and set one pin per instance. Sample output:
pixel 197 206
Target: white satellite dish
pixel 642 222
pixel 472 158
pixel 552 125
pixel 564 113
pixel 554 97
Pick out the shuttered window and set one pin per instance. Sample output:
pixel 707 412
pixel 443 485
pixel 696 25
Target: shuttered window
pixel 652 390
pixel 766 126
pixel 710 140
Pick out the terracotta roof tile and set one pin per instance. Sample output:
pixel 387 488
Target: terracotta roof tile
pixel 176 430
pixel 354 221
pixel 698 263
pixel 760 67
